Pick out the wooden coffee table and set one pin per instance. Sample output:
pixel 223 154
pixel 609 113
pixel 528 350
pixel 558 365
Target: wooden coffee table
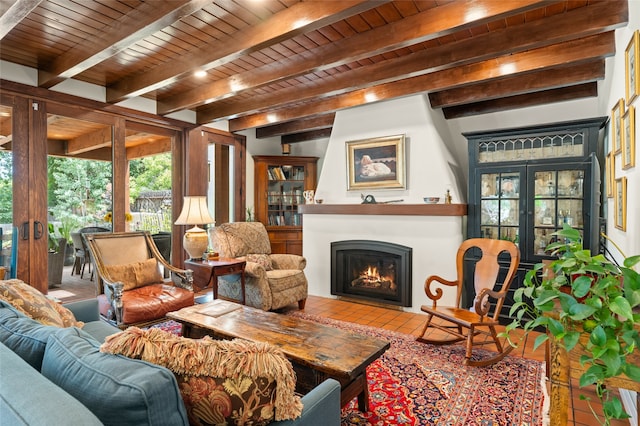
pixel 316 351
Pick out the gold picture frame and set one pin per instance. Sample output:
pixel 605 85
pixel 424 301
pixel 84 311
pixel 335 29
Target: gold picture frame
pixel 616 126
pixel 632 73
pixel 610 173
pixel 377 163
pixel 620 204
pixel 628 125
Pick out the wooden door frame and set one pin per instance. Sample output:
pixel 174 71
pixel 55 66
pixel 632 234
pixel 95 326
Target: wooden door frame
pixel 30 162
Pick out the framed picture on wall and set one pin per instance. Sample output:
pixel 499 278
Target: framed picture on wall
pixel 620 203
pixel 629 138
pixel 616 126
pixel 632 73
pixel 377 163
pixel 610 173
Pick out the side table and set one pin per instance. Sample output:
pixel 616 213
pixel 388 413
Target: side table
pixel 208 271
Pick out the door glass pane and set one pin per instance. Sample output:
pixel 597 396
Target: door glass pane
pixel 6 191
pixel 558 201
pixel 150 193
pixel 500 205
pixel 79 176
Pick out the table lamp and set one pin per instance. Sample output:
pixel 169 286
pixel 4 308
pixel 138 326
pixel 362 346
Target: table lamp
pixel 195 212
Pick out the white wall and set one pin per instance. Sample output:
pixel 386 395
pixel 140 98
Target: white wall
pixel 431 169
pixel 610 92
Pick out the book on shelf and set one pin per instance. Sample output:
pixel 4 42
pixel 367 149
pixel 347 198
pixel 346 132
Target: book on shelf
pixel 217 308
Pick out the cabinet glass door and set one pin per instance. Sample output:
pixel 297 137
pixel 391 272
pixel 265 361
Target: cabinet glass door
pixel 500 205
pixel 284 193
pixel 558 200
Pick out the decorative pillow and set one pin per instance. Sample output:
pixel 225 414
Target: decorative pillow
pixel 120 391
pixel 221 381
pixel 23 335
pixel 262 259
pixel 36 305
pixel 137 274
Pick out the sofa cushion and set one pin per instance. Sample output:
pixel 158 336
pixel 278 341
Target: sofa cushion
pixel 118 390
pixel 17 405
pixel 136 274
pixel 23 335
pixel 222 381
pixel 36 305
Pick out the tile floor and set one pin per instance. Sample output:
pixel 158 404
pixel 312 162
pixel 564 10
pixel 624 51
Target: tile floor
pixel 75 288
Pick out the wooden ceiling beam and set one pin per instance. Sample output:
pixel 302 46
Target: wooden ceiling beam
pixel 592 47
pixel 281 26
pixel 307 136
pixel 562 94
pixel 510 86
pixel 89 141
pixel 414 29
pixel 142 22
pixel 148 149
pixel 14 14
pixel 313 123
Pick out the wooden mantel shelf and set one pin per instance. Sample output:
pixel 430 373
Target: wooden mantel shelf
pixel 386 209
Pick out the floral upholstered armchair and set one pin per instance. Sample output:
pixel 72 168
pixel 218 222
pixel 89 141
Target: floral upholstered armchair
pixel 272 281
pixel 131 287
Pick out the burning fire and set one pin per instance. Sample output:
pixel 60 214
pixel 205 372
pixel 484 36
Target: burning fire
pixel 370 277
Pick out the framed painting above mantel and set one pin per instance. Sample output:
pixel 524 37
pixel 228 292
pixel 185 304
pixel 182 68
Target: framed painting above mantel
pixel 377 163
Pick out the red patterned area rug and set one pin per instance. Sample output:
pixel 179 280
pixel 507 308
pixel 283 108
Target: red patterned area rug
pixel 418 384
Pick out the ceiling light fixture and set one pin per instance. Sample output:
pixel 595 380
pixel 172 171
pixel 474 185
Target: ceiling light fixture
pixel 200 73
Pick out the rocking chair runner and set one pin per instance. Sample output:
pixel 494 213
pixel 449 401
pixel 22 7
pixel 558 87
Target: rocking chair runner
pixel 473 325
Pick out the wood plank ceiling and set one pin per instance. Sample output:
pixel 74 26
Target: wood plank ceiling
pixel 285 67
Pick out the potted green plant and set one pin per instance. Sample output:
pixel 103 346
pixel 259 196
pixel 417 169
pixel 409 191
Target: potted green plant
pixel 580 294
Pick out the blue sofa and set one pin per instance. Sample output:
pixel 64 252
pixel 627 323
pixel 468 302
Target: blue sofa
pixel 46 370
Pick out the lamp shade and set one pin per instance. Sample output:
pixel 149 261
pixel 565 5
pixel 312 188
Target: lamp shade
pixel 195 211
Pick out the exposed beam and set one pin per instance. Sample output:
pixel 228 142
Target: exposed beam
pixel 89 141
pixel 148 149
pixel 520 84
pixel 418 28
pixel 307 136
pixel 145 20
pixel 15 14
pixel 313 123
pixel 593 47
pixel 279 27
pixel 521 101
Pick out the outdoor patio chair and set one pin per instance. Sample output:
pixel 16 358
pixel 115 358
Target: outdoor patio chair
pixel 476 325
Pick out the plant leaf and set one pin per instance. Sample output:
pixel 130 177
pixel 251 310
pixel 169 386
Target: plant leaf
pixel 579 311
pixel 613 409
pixel 540 340
pixel 571 339
pixel 598 336
pixel 581 285
pixel 621 306
pixel 632 371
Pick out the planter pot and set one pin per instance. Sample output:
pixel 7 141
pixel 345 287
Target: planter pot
pixel 69 255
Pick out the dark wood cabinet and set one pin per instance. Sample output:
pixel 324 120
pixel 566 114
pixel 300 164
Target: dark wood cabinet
pixel 279 185
pixel 526 183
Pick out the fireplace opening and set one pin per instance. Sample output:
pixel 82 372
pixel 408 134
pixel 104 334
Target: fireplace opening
pixel 376 271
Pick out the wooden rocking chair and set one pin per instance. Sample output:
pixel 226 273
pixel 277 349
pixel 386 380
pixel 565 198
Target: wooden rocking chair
pixel 473 325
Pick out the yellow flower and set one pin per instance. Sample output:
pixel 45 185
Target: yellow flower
pixel 128 217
